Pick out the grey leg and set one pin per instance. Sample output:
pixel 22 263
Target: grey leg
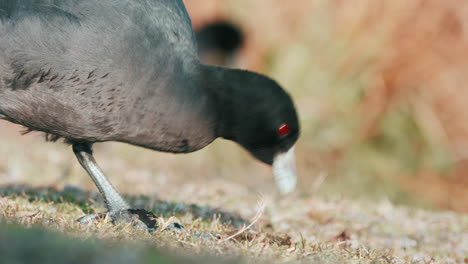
pixel 117 208
pixel 114 202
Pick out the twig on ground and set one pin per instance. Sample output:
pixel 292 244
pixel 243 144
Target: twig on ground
pixel 261 209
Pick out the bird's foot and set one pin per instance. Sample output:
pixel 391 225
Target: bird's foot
pixel 139 217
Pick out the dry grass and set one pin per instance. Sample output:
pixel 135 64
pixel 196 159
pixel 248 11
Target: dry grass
pixel 313 230
pixel 295 229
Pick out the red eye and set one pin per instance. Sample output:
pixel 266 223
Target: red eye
pixel 283 129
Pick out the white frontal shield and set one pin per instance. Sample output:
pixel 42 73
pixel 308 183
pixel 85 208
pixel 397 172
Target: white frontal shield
pixel 284 170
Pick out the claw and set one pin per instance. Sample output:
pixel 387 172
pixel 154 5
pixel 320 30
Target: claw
pixel 175 227
pixel 139 217
pixel 90 218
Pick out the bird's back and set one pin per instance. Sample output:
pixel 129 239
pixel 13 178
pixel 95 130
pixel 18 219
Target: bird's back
pixel 87 69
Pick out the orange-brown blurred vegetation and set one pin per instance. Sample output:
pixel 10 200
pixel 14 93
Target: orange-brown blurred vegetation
pixel 380 88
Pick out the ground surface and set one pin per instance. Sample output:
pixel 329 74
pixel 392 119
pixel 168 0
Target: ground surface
pixel 291 230
pixel 43 187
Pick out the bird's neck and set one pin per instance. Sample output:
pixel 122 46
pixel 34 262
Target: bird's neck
pixel 220 82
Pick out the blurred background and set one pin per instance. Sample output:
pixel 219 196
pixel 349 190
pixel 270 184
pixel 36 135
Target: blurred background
pixel 379 87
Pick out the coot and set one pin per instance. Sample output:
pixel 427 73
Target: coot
pixel 93 71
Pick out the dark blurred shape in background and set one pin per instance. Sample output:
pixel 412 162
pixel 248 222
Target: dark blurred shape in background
pixel 219 43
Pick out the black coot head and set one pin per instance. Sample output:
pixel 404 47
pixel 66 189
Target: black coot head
pixel 266 124
pixel 269 126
